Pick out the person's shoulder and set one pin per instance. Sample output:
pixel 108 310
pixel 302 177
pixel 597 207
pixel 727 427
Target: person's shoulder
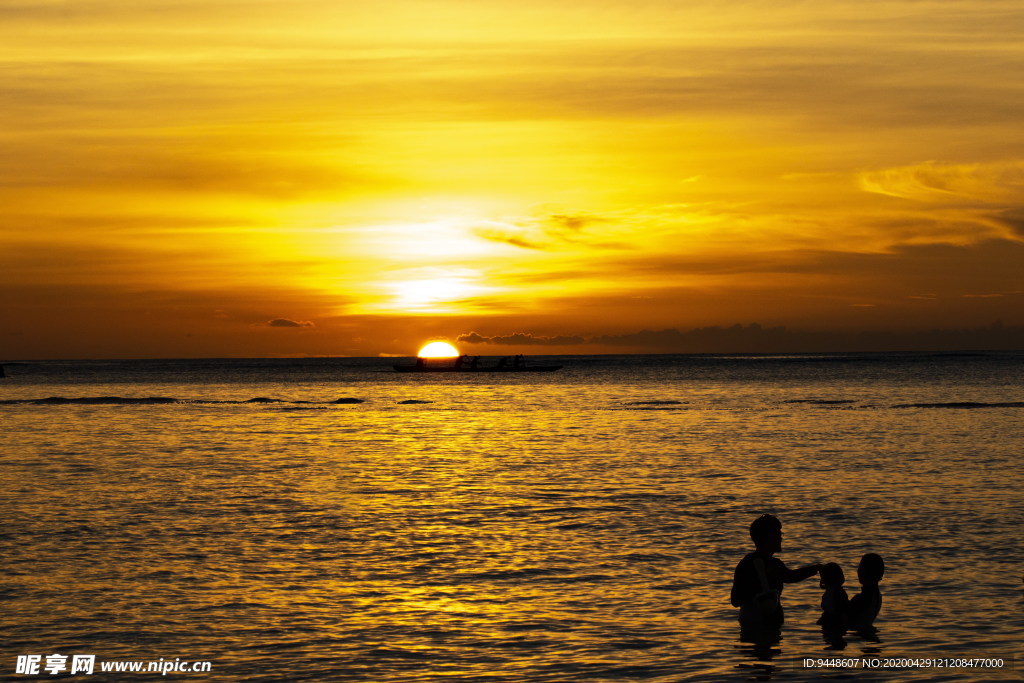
pixel 748 559
pixel 745 565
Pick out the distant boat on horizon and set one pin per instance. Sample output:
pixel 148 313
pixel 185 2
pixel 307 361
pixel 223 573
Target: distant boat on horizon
pixel 460 366
pixel 509 368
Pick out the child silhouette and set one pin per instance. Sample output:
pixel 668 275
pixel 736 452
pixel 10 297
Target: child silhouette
pixel 835 605
pixel 864 606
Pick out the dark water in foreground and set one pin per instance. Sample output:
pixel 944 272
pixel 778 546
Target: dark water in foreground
pixel 581 525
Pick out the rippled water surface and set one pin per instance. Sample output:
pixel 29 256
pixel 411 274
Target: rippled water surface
pixel 581 525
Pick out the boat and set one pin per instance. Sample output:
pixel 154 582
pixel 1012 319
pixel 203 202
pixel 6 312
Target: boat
pixel 450 369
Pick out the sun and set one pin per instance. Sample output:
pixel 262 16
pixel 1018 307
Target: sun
pixel 438 349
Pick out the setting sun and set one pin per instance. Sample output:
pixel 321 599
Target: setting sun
pixel 438 349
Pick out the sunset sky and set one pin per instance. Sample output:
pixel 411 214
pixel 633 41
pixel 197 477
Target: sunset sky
pixel 329 177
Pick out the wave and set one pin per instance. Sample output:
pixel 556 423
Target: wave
pixel 164 400
pixel 93 400
pixel 946 404
pixel 962 404
pixel 820 401
pixel 350 400
pixel 657 405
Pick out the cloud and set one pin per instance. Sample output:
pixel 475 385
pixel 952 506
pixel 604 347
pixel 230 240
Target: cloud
pixel 754 338
pixel 552 232
pixel 507 235
pixel 285 322
pixel 659 339
pixel 985 183
pixel 753 335
pixel 109 160
pixel 520 339
pixel 569 226
pixel 666 339
pixel 993 295
pixel 1010 219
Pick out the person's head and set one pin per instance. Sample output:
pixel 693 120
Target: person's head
pixel 870 569
pixel 766 532
pixel 832 575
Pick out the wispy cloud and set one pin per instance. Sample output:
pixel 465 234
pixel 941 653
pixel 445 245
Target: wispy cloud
pixel 958 184
pixel 288 323
pixel 521 339
pixel 555 232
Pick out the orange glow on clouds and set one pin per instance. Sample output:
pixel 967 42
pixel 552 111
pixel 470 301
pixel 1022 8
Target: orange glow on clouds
pixel 514 166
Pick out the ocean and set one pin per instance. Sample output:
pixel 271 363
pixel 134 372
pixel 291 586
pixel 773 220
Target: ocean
pixel 329 519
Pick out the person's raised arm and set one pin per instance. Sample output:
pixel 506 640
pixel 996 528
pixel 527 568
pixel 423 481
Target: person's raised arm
pixel 794 575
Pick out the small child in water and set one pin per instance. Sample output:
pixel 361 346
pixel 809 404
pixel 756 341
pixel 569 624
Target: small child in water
pixel 834 603
pixel 864 606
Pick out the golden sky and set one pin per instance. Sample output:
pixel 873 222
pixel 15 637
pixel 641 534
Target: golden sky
pixel 275 177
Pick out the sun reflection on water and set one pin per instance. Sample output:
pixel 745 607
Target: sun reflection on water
pixel 494 532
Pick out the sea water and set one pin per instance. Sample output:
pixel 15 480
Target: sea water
pixel 580 525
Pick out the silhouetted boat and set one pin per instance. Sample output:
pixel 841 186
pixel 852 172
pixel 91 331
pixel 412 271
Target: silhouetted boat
pixel 509 368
